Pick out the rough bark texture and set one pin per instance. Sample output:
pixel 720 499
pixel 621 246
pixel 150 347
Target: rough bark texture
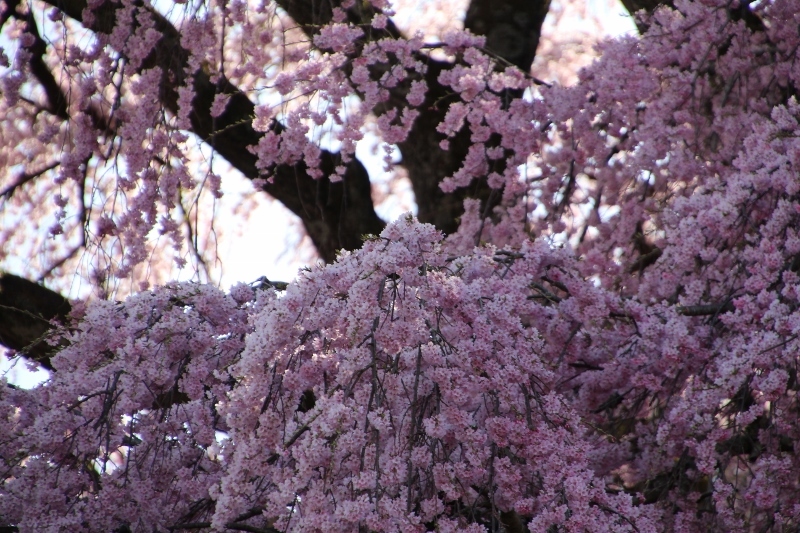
pixel 512 27
pixel 335 215
pixel 27 310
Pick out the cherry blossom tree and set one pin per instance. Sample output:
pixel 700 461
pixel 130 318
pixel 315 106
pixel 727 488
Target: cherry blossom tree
pixel 591 324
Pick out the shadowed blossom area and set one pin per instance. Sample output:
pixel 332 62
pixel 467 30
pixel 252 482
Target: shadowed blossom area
pixel 590 323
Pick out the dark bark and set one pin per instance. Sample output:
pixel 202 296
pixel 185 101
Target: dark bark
pixel 512 27
pixel 57 103
pixel 27 310
pixel 648 6
pixel 335 215
pixel 641 10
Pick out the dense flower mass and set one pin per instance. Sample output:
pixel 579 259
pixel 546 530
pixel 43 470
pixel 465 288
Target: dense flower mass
pixel 608 340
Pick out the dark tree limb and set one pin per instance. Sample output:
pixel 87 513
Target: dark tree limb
pixel 640 10
pixel 512 27
pixel 335 215
pixel 648 6
pixel 57 103
pixel 311 15
pixel 706 309
pixel 27 310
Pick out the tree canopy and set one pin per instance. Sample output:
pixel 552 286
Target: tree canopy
pixel 590 324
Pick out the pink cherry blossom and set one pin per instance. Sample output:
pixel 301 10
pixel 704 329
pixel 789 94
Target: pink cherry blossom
pixel 607 340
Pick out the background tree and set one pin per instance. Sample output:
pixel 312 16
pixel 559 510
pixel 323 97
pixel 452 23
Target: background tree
pixel 633 368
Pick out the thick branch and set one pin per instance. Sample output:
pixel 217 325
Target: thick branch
pixel 55 96
pixel 648 6
pixel 335 215
pixel 26 312
pixel 706 309
pixel 512 27
pixel 640 10
pixel 311 15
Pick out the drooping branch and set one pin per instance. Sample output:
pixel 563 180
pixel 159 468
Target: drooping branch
pixel 335 215
pixel 512 29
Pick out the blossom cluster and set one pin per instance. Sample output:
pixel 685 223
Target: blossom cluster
pixel 124 431
pixel 399 388
pixel 614 347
